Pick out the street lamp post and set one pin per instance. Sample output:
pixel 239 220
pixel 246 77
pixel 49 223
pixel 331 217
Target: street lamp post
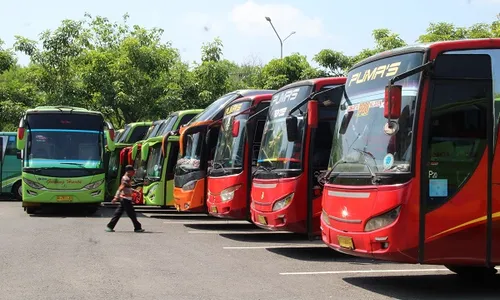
pixel 279 38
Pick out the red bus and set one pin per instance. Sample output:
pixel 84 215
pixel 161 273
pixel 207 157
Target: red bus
pixel 230 178
pixel 296 143
pixel 411 174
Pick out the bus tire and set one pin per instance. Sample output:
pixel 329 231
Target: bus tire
pixel 17 190
pixel 472 271
pixel 30 210
pixel 92 209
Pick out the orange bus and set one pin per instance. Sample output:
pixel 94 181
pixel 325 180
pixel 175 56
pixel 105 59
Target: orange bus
pixel 412 174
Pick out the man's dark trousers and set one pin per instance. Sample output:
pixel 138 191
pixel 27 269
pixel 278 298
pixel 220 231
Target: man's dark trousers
pixel 125 205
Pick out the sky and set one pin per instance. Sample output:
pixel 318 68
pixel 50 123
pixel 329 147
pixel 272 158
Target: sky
pixel 246 35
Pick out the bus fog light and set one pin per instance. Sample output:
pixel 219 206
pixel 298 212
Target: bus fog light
pixel 189 186
pixel 282 203
pixel 228 194
pixel 383 220
pixel 93 185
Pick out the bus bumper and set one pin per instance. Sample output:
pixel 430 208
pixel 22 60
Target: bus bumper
pixel 379 244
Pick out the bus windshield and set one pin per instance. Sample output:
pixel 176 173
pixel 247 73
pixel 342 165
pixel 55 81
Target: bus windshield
pixel 229 152
pixel 138 167
pixel 154 165
pixel 365 147
pixel 64 141
pixel 191 160
pixel 276 151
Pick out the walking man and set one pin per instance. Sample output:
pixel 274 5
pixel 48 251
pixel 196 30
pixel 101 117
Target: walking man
pixel 124 194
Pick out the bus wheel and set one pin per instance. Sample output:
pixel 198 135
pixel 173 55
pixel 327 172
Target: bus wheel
pixel 92 209
pixel 30 210
pixel 17 190
pixel 472 271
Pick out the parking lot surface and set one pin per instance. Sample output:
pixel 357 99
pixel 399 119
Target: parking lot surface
pixel 66 255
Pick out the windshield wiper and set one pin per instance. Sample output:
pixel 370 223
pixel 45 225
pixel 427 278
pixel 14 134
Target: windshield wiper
pixel 219 166
pixel 261 167
pixel 74 164
pixel 374 177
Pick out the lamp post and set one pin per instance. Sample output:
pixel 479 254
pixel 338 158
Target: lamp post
pixel 279 38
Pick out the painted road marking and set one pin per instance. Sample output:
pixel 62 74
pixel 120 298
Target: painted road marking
pixel 370 271
pixel 227 232
pixel 206 222
pixel 365 271
pixel 295 245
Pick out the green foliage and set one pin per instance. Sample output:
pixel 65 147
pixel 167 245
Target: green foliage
pixel 130 74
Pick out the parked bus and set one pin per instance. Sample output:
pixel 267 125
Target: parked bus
pixel 132 133
pixel 297 139
pixel 63 156
pixel 196 149
pixel 412 173
pixel 230 177
pixel 10 166
pixel 159 174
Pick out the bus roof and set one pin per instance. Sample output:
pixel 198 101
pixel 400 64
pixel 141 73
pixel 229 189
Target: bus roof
pixel 423 47
pixel 313 81
pixel 215 107
pixel 8 133
pixel 61 109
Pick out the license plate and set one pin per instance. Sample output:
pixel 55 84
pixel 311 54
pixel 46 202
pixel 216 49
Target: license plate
pixel 64 198
pixel 262 219
pixel 214 209
pixel 345 242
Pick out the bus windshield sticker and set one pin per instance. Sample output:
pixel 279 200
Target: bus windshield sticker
pixel 388 161
pixel 438 187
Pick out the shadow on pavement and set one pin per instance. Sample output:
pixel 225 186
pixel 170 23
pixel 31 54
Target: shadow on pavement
pixel 265 237
pixel 219 226
pixel 322 254
pixel 429 287
pixel 76 212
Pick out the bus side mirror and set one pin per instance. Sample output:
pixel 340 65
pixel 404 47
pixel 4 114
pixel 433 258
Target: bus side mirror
pixel 291 128
pixel 312 114
pixel 392 106
pixel 19 154
pixel 236 128
pixel 21 135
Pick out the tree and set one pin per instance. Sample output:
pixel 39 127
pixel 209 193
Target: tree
pixel 443 31
pixel 280 72
pixel 335 62
pixel 7 58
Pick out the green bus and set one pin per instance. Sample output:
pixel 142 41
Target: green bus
pixel 159 172
pixel 132 133
pixel 10 166
pixel 63 156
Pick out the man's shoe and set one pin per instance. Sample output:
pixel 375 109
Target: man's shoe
pixel 139 230
pixel 109 229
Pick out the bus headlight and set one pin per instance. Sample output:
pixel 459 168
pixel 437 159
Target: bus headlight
pixel 189 186
pixel 282 203
pixel 325 217
pixel 383 220
pixel 93 185
pixel 228 194
pixel 33 184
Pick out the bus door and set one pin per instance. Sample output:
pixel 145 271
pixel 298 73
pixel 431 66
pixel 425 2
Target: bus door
pixel 320 148
pixel 455 202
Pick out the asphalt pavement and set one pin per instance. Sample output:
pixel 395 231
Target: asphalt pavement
pixel 66 255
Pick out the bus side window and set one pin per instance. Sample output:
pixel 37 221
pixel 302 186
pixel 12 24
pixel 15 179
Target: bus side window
pixel 11 146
